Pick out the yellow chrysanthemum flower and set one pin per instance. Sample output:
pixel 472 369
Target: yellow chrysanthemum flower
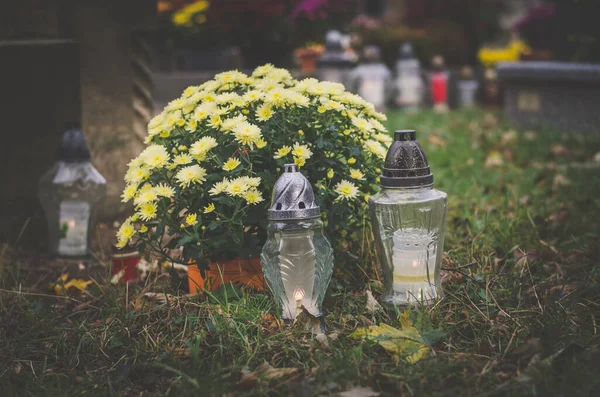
pixel 247 134
pixel 251 181
pixel 264 112
pixel 231 164
pixel 125 233
pixel 253 196
pixel 299 161
pixel 253 96
pixel 190 174
pixel 375 147
pixel 128 193
pixel 164 190
pixel 362 124
pixel 230 123
pixel 137 174
pixel 191 220
pixel 321 109
pixel 155 156
pixel 301 151
pixel 263 70
pixel 219 187
pixel 182 159
pixel 261 143
pixel 147 211
pixel 383 138
pixel 237 187
pixel 282 152
pixel 148 196
pixel 346 190
pixel 209 208
pixel 356 174
pixel 200 148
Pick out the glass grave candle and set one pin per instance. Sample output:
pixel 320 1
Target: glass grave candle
pixel 467 88
pixel 438 85
pixel 297 259
pixel 372 80
pixel 408 217
pixel 409 84
pixel 70 192
pixel 334 63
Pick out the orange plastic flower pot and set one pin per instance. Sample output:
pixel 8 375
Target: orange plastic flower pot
pixel 239 272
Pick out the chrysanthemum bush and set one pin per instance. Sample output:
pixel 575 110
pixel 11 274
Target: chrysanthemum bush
pixel 204 181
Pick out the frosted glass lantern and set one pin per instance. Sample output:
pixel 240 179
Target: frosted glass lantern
pixel 409 84
pixel 334 63
pixel 372 80
pixel 70 192
pixel 297 259
pixel 408 217
pixel 467 88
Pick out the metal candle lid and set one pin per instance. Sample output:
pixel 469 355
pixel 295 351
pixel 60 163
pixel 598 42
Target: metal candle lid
pixel 73 147
pixel 406 164
pixel 293 196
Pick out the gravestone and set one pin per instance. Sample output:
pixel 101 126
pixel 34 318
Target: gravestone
pixel 68 62
pixel 557 95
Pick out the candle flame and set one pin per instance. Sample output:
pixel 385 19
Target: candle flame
pixel 298 294
pixel 71 224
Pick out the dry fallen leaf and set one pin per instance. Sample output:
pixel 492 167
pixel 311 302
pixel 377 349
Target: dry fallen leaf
pixel 435 140
pixel 407 344
pixel 371 302
pixel 266 371
pixel 359 392
pixel 62 286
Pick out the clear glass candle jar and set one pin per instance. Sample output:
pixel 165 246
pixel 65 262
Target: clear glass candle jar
pixel 408 217
pixel 70 192
pixel 297 258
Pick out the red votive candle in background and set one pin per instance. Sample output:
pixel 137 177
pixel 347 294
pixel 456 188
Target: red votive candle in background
pixel 439 88
pixel 126 262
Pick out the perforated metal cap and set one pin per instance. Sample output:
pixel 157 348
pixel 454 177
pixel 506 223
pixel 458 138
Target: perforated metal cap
pixel 405 163
pixel 73 147
pixel 293 196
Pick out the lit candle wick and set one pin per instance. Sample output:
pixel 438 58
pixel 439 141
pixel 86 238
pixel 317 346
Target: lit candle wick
pixel 298 294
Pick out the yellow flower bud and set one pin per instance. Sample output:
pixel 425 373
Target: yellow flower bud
pixel 367 197
pixel 182 148
pixel 330 173
pixel 300 132
pixel 143 229
pixel 351 160
pixel 346 132
pixel 245 111
pixel 165 134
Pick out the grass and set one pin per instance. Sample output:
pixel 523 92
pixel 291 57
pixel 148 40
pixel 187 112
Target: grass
pixel 521 314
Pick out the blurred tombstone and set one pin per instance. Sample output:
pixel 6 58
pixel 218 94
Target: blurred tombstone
pixel 558 95
pixel 68 63
pixel 371 79
pixel 334 63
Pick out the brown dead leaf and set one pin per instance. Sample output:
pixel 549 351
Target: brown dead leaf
pixel 435 140
pixel 152 299
pixel 266 372
pixel 448 276
pixel 359 392
pixel 559 150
